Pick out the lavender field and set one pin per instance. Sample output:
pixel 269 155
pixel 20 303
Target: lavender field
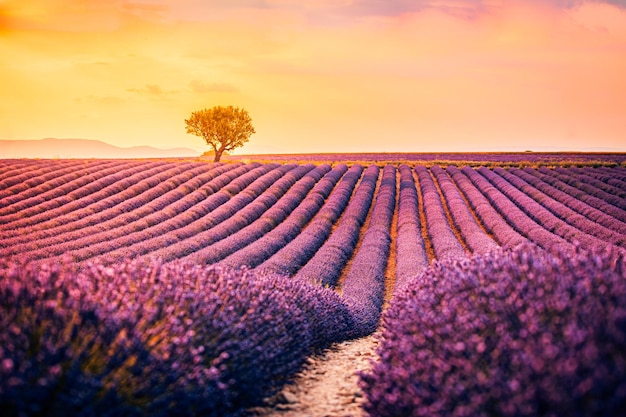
pixel 181 287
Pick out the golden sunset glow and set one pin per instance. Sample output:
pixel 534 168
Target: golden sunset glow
pixel 319 76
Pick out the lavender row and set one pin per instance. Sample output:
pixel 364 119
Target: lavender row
pixel 513 214
pixel 586 176
pixel 502 231
pixel 171 247
pixel 35 182
pixel 23 176
pixel 119 209
pixel 263 248
pixel 587 188
pixel 210 253
pixel 474 236
pixel 614 173
pixel 593 201
pixel 293 255
pixel 521 158
pixel 520 332
pixel 161 222
pixel 364 285
pixel 61 204
pixel 125 218
pixel 45 187
pixel 562 211
pixel 158 239
pixel 539 213
pixel 581 207
pixel 326 266
pixel 609 176
pixel 140 338
pixel 444 241
pixel 411 256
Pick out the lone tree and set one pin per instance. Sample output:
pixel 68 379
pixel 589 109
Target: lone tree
pixel 224 128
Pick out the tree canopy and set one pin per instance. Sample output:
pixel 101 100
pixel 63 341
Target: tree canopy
pixel 223 128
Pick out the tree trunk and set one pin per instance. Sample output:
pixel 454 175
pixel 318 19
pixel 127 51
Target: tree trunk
pixel 218 155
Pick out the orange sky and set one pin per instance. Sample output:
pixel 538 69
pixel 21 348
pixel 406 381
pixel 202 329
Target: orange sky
pixel 319 76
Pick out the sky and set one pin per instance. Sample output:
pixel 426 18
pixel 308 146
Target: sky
pixel 319 76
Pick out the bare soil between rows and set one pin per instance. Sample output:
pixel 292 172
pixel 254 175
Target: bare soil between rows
pixel 328 384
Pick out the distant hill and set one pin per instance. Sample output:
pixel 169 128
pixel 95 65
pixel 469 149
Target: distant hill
pixel 84 148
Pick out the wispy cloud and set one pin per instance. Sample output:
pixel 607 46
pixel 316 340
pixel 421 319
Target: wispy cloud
pixel 151 90
pixel 198 86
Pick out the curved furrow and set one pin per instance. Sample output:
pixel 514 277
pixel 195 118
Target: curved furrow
pixel 170 251
pixel 20 178
pixel 293 255
pixel 259 251
pixel 590 212
pixel 609 177
pixel 539 213
pixel 12 167
pixel 551 178
pixel 219 250
pixel 123 208
pixel 563 212
pixel 616 173
pixel 519 220
pixel 181 213
pixel 586 175
pixel 63 205
pixel 411 256
pixel 574 181
pixel 444 240
pixel 237 204
pixel 46 187
pixel 495 224
pixel 474 235
pixel 326 266
pixel 363 288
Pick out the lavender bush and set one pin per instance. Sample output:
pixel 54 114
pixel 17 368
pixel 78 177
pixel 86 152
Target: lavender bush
pixel 515 216
pixel 552 178
pixel 517 332
pixel 326 265
pixel 142 338
pixel 590 212
pixel 411 256
pixel 364 284
pixel 445 243
pixel 502 231
pixel 474 236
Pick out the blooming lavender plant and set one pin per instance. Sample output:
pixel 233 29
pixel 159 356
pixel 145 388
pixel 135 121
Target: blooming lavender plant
pixel 299 251
pixel 519 220
pixel 580 183
pixel 364 285
pixel 538 212
pixel 115 211
pixel 262 249
pixel 553 179
pixel 445 243
pixel 589 211
pixel 142 338
pixel 411 256
pixel 516 332
pixel 474 236
pixel 326 265
pixel 563 212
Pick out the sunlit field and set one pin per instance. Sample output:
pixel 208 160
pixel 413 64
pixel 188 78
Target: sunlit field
pixel 186 287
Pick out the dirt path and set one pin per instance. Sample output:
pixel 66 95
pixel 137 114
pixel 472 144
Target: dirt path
pixel 327 387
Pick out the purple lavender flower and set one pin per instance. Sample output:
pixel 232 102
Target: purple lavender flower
pixel 523 332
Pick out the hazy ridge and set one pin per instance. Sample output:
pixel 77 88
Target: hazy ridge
pixel 84 148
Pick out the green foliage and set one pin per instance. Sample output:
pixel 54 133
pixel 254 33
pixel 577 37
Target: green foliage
pixel 223 128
